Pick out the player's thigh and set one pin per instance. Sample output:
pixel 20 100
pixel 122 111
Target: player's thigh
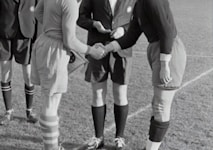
pixel 22 49
pixel 5 50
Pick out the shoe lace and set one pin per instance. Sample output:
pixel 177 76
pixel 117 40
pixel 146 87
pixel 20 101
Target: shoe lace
pixel 120 142
pixel 94 141
pixel 61 148
pixel 8 113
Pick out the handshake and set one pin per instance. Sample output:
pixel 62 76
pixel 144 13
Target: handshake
pixel 99 51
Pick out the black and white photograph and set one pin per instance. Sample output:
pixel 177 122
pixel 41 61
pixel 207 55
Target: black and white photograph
pixel 106 74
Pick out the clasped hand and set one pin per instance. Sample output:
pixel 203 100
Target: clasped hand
pixel 99 51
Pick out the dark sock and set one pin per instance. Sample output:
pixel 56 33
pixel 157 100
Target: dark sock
pixel 157 130
pixel 99 114
pixel 29 92
pixel 120 113
pixel 6 93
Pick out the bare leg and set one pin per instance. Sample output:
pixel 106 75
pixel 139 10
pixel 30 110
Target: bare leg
pixel 161 107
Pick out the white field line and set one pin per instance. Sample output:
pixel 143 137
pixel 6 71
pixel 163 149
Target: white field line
pixel 199 56
pixel 142 109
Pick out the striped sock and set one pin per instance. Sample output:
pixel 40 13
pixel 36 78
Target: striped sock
pixel 6 93
pixel 50 131
pixel 29 92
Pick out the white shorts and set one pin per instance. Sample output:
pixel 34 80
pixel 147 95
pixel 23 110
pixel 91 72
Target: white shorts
pixel 49 65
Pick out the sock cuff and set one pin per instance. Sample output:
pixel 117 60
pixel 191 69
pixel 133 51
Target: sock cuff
pixel 6 83
pixel 97 107
pixel 159 124
pixel 6 86
pixel 157 130
pixel 29 88
pixel 115 105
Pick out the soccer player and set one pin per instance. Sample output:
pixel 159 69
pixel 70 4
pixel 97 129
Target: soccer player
pixel 166 56
pixel 106 20
pixel 17 29
pixel 50 57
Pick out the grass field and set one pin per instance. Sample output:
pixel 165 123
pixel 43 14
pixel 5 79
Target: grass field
pixel 192 111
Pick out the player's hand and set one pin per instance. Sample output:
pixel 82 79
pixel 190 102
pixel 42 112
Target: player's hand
pixel 165 72
pixel 98 25
pixel 106 51
pixel 96 52
pixel 117 33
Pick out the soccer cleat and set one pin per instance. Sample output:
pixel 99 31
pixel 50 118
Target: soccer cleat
pixel 61 148
pixel 5 120
pixel 95 143
pixel 31 118
pixel 119 143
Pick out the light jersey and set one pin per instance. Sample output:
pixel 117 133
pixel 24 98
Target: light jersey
pixel 112 4
pixel 59 20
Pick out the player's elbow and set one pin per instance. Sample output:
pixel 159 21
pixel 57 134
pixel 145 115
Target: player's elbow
pixel 70 42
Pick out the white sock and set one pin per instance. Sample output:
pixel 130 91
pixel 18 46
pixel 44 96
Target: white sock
pixel 152 145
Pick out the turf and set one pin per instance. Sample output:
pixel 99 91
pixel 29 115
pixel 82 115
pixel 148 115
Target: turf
pixel 192 125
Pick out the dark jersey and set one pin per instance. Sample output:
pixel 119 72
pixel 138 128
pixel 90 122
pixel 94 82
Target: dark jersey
pixel 154 19
pixel 9 18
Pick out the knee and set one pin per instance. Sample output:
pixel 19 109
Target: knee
pixel 161 110
pixel 120 100
pixel 98 98
pixel 120 97
pixel 98 101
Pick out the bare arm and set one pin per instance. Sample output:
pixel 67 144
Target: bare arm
pixel 70 12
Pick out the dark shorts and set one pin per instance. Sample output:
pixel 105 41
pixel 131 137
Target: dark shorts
pixel 118 67
pixel 177 64
pixel 19 47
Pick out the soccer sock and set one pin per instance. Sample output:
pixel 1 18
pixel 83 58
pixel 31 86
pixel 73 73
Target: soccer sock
pixel 152 145
pixel 157 132
pixel 120 113
pixel 99 114
pixel 29 92
pixel 50 131
pixel 6 93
